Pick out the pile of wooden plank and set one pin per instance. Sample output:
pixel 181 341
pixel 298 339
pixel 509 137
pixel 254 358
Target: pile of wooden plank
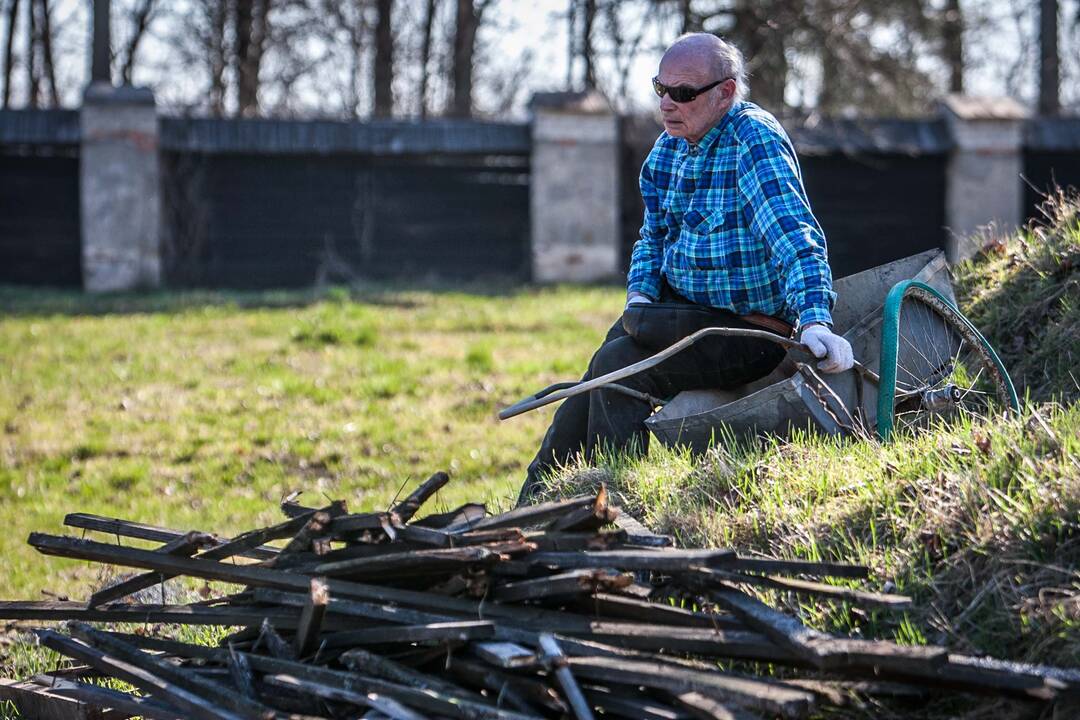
pixel 563 609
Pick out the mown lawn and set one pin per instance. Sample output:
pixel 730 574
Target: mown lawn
pixel 201 410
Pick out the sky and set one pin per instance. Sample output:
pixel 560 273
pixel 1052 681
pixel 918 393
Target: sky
pixel 530 38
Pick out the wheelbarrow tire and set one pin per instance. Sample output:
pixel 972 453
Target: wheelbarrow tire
pixel 935 365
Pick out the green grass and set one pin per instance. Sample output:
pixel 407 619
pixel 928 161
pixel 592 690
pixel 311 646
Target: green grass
pixel 202 410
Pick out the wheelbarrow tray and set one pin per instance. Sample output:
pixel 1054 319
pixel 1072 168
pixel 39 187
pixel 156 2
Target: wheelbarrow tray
pixel 793 397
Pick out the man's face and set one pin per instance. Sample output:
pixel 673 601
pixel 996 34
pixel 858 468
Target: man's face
pixel 691 120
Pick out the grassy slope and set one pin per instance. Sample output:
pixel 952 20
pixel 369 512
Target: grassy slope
pixel 980 522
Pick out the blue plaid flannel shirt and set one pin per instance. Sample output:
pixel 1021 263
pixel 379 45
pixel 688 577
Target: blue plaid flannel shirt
pixel 727 223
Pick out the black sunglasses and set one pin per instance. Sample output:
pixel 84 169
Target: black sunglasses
pixel 682 93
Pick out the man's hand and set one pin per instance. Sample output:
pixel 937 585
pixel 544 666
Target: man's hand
pixel 835 350
pixel 635 297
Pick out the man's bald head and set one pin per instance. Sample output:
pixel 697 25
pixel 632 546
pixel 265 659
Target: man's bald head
pixel 714 58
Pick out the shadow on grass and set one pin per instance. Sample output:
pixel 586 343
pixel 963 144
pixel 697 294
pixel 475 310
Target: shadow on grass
pixel 37 301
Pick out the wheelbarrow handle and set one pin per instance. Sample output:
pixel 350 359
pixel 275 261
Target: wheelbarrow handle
pixel 561 391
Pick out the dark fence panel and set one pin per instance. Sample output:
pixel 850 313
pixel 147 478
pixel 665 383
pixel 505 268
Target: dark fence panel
pixel 877 187
pixel 876 209
pixel 273 203
pixel 1051 159
pixel 39 198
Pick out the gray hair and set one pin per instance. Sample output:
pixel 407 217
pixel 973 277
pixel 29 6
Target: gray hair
pixel 727 60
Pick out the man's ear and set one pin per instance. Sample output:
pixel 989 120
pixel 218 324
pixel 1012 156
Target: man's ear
pixel 727 90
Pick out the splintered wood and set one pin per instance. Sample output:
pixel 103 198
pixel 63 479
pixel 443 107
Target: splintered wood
pixel 560 610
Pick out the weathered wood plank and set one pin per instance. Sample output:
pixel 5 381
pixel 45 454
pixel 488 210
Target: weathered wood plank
pixel 369 663
pixel 606 606
pixel 119 704
pixel 709 577
pixel 34 701
pixel 387 706
pixel 410 505
pixel 527 516
pixel 154 533
pixel 630 704
pixel 482 677
pixel 590 517
pixel 547 541
pixel 559 664
pixel 563 585
pixel 704 707
pixel 464 515
pixel 668 561
pixel 747 693
pixel 530 689
pixel 421 562
pixel 819 649
pixel 186 545
pixel 311 618
pixel 223 696
pixel 462 631
pixel 506 655
pixel 190 703
pixel 47 610
pixel 426 700
pixel 799 567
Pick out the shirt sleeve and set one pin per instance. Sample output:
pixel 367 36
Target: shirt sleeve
pixel 647 257
pixel 778 212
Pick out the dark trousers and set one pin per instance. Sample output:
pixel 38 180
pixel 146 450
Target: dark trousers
pixel 612 421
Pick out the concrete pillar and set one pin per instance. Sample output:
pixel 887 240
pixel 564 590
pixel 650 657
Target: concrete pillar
pixel 983 183
pixel 120 189
pixel 574 198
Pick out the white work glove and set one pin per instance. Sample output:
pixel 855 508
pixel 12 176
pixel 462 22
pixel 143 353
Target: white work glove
pixel 635 298
pixel 835 350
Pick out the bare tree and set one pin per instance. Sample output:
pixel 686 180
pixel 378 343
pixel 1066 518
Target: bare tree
pixel 469 16
pixel 953 44
pixel 9 44
pixel 425 55
pixel 252 28
pixel 384 59
pixel 587 48
pixel 140 20
pixel 47 52
pixel 215 16
pixel 1049 69
pixel 626 42
pixel 33 75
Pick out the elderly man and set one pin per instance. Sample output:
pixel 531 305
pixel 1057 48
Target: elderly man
pixel 728 239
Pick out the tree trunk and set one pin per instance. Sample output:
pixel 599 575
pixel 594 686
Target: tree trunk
pixel 33 77
pixel 384 59
pixel 139 20
pixel 9 43
pixel 465 27
pixel 953 40
pixel 588 54
pixel 47 53
pixel 571 42
pixel 101 65
pixel 425 56
pixel 218 15
pixel 1049 70
pixel 252 29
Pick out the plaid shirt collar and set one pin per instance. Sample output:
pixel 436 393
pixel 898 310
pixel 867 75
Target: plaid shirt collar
pixel 709 139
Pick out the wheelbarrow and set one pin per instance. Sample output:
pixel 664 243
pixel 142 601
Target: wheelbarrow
pixel 919 362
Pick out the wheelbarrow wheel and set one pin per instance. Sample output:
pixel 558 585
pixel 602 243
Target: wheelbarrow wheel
pixel 935 366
